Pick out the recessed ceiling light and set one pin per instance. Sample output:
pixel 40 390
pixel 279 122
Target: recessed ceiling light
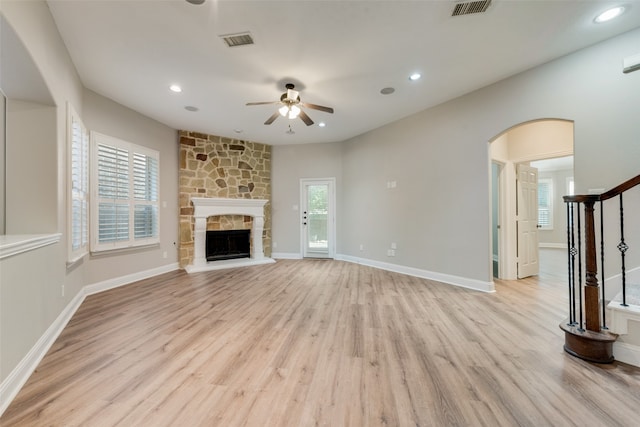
pixel 387 90
pixel 191 108
pixel 175 88
pixel 322 124
pixel 609 14
pixel 237 130
pixel 415 76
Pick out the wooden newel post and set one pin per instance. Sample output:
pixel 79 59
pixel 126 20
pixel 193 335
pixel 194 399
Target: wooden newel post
pixel 590 343
pixel 591 291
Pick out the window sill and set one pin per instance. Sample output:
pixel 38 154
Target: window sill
pixel 14 244
pixel 75 260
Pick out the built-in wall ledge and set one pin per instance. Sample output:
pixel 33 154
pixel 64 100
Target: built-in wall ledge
pixel 14 244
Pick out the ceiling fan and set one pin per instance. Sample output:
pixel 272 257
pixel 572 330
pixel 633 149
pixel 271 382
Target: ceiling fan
pixel 291 104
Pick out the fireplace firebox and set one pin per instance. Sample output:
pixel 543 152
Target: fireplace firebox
pixel 228 244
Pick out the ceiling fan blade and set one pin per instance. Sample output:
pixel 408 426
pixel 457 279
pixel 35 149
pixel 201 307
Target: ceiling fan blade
pixel 306 119
pixel 317 107
pixel 272 118
pixel 262 103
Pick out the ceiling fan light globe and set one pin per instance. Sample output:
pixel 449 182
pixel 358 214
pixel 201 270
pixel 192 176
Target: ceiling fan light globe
pixel 294 111
pixel 283 111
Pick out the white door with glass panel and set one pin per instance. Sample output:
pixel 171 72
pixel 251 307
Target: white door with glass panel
pixel 317 217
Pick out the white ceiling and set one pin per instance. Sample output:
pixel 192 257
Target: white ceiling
pixel 555 164
pixel 338 53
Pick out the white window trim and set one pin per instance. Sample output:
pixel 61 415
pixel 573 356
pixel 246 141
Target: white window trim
pixel 75 255
pixel 131 242
pixel 549 182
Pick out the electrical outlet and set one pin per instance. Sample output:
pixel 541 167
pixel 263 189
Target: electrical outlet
pixel 393 252
pixel 164 254
pixel 274 245
pixel 393 245
pixel 62 290
pixel 361 247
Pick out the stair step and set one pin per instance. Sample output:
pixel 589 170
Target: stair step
pixel 632 294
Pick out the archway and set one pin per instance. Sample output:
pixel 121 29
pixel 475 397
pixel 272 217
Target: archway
pixel 519 145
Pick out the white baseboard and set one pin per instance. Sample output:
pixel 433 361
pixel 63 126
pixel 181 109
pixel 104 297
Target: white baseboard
pixel 286 255
pixel 553 245
pixel 105 285
pixel 21 373
pixel 463 282
pixel 10 387
pixel 627 353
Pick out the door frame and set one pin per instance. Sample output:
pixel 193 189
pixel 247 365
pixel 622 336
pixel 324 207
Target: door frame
pixel 331 222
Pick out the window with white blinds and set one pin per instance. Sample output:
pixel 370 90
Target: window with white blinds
pixel 78 142
pixel 125 206
pixel 545 204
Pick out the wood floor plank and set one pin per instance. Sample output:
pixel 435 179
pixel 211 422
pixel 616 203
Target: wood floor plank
pixel 317 342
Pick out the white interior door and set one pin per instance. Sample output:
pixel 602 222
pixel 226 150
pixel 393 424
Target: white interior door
pixel 527 221
pixel 318 217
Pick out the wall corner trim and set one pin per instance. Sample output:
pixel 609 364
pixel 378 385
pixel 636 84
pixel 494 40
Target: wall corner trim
pixel 464 282
pixel 10 387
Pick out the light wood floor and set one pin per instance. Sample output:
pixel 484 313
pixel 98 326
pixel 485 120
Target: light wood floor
pixel 312 342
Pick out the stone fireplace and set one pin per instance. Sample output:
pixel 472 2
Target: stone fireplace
pixel 205 207
pixel 222 168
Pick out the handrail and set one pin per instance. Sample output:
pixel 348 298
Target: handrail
pixel 615 191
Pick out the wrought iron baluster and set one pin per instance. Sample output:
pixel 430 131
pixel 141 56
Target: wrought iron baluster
pixel 580 292
pixel 622 247
pixel 604 308
pixel 570 258
pixel 574 252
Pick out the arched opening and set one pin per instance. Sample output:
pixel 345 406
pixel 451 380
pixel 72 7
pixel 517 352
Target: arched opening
pixel 531 169
pixel 28 142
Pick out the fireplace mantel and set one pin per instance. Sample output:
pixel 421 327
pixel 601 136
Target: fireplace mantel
pixel 204 207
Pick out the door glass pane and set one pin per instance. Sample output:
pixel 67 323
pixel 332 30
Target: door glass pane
pixel 317 216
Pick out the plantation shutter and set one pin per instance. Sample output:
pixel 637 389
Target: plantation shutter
pixel 127 193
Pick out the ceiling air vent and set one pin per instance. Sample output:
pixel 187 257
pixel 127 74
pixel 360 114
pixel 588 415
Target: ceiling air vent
pixel 235 40
pixel 470 7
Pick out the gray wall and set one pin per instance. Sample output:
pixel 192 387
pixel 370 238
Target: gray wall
pixel 438 215
pixel 31 284
pixel 290 163
pixel 440 157
pixel 110 118
pixel 2 160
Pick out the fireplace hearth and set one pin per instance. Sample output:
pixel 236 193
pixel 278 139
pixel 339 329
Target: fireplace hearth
pixel 228 244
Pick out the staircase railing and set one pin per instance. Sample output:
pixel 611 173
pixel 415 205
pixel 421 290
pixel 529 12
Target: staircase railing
pixel 586 332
